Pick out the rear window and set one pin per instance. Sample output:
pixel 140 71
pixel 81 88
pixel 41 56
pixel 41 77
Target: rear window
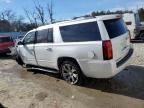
pixel 115 27
pixel 5 39
pixel 80 32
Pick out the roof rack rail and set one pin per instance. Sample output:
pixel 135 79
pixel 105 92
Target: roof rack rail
pixel 75 19
pixel 83 17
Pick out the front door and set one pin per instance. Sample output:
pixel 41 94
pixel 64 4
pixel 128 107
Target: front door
pixel 27 49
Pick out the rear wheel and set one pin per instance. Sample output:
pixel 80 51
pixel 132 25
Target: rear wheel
pixel 71 72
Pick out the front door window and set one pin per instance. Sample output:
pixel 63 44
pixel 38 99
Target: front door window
pixel 30 38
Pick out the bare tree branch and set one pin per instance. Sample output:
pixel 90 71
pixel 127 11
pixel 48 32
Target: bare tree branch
pixel 8 15
pixel 2 16
pixel 38 15
pixel 40 12
pixel 28 15
pixel 50 11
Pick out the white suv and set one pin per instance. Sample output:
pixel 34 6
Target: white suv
pixel 97 47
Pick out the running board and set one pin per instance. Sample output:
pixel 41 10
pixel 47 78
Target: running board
pixel 44 69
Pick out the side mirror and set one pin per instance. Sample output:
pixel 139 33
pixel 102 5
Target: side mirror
pixel 20 43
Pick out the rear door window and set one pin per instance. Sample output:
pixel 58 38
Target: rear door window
pixel 45 36
pixel 42 36
pixel 80 32
pixel 50 35
pixel 115 27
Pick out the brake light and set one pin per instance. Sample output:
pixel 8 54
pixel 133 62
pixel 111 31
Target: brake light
pixel 107 50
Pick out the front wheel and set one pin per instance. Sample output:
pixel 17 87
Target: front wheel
pixel 71 72
pixel 19 60
pixel 142 36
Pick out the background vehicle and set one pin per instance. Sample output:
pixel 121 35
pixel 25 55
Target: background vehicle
pixel 133 23
pixel 14 49
pixel 6 42
pixel 98 48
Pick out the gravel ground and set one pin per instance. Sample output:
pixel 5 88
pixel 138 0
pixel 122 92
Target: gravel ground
pixel 138 57
pixel 20 88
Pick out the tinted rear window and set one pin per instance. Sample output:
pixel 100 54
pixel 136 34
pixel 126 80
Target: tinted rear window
pixel 80 32
pixel 115 27
pixel 5 39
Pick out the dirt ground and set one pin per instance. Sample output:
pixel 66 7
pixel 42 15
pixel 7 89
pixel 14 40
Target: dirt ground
pixel 20 88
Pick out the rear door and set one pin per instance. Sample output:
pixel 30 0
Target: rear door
pixel 44 47
pixel 119 36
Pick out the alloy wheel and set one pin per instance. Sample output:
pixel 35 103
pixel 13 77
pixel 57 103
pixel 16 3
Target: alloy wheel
pixel 70 73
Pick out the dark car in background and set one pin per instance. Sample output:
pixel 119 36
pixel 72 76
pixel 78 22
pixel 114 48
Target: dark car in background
pixel 6 42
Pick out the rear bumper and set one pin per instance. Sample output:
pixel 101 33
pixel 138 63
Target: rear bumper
pixel 125 59
pixel 105 69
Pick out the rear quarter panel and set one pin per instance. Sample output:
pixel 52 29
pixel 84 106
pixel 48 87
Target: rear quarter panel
pixel 81 51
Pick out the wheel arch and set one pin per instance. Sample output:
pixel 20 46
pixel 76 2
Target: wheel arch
pixel 141 34
pixel 62 59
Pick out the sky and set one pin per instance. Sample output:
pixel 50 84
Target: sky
pixel 66 9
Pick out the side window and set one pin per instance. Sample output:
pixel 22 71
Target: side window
pixel 45 36
pixel 50 35
pixel 42 36
pixel 81 32
pixel 30 38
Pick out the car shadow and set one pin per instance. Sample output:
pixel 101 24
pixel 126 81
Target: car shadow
pixel 129 82
pixel 1 106
pixel 35 71
pixel 5 56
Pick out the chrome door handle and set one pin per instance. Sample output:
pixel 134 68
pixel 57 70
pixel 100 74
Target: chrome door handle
pixel 49 49
pixel 31 49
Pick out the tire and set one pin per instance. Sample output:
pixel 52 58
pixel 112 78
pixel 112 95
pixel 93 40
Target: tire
pixel 71 73
pixel 142 36
pixel 19 60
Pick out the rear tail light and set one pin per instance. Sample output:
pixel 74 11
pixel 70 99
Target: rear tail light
pixel 107 50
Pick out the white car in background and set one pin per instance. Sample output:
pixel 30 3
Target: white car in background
pixel 133 23
pixel 97 47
